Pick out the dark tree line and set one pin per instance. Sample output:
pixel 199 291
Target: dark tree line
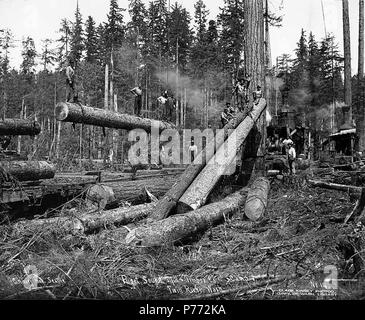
pixel 160 48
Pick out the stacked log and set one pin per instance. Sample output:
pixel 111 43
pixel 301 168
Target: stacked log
pixel 170 200
pixel 19 127
pixel 76 113
pixel 197 193
pixel 179 228
pixel 29 170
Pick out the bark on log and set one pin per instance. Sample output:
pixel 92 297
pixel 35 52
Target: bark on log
pixel 358 209
pixel 169 201
pixel 76 113
pixel 333 186
pixel 179 228
pixel 19 127
pixel 134 191
pixel 29 170
pixel 197 193
pixel 87 223
pixel 257 197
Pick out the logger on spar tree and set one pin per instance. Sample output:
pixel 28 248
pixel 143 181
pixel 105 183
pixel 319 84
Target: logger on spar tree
pixel 225 115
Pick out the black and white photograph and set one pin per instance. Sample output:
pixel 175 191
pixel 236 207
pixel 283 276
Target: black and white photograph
pixel 182 154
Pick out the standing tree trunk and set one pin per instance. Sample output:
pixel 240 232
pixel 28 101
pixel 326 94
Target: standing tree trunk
pixel 360 118
pixel 254 50
pixel 347 52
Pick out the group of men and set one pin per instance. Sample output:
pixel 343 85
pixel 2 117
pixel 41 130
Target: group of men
pixel 228 114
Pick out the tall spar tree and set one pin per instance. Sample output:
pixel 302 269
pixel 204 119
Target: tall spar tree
pixel 254 58
pixel 347 52
pixel 360 116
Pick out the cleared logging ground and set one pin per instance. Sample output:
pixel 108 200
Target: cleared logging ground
pixel 301 234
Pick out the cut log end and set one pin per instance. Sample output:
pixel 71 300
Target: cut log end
pixel 257 198
pixel 61 111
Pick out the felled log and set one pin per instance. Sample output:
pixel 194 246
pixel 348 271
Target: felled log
pixel 197 193
pixel 76 113
pixel 86 223
pixel 333 186
pixel 257 197
pixel 134 191
pixel 19 127
pixel 169 201
pixel 178 228
pixel 359 208
pixel 29 170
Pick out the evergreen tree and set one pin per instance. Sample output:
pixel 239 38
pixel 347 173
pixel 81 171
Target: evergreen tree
pixel 138 14
pixel 101 49
pixel 48 56
pixel 64 41
pixel 314 70
pixel 231 36
pixel 6 43
pixel 114 28
pixel 180 34
pixel 201 16
pixel 77 39
pixel 91 41
pixel 29 54
pixel 331 68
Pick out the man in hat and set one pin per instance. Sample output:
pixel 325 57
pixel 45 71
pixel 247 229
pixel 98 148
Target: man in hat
pixel 137 91
pixel 225 115
pixel 291 158
pixel 70 80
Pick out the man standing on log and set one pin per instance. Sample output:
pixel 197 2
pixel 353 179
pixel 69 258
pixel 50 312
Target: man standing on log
pixel 137 91
pixel 70 80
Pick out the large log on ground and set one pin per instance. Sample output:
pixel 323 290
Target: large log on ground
pixel 197 193
pixel 19 127
pixel 332 186
pixel 29 170
pixel 86 223
pixel 76 113
pixel 179 228
pixel 257 197
pixel 169 201
pixel 134 191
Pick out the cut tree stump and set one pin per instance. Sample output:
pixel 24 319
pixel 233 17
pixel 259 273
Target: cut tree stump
pixel 169 201
pixel 76 113
pixel 179 228
pixel 197 193
pixel 29 170
pixel 86 223
pixel 19 127
pixel 257 198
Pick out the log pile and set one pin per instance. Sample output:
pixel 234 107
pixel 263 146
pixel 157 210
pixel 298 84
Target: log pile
pixel 178 228
pixel 197 193
pixel 19 127
pixel 169 201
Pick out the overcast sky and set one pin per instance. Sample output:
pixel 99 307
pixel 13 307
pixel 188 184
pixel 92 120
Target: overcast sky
pixel 40 19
